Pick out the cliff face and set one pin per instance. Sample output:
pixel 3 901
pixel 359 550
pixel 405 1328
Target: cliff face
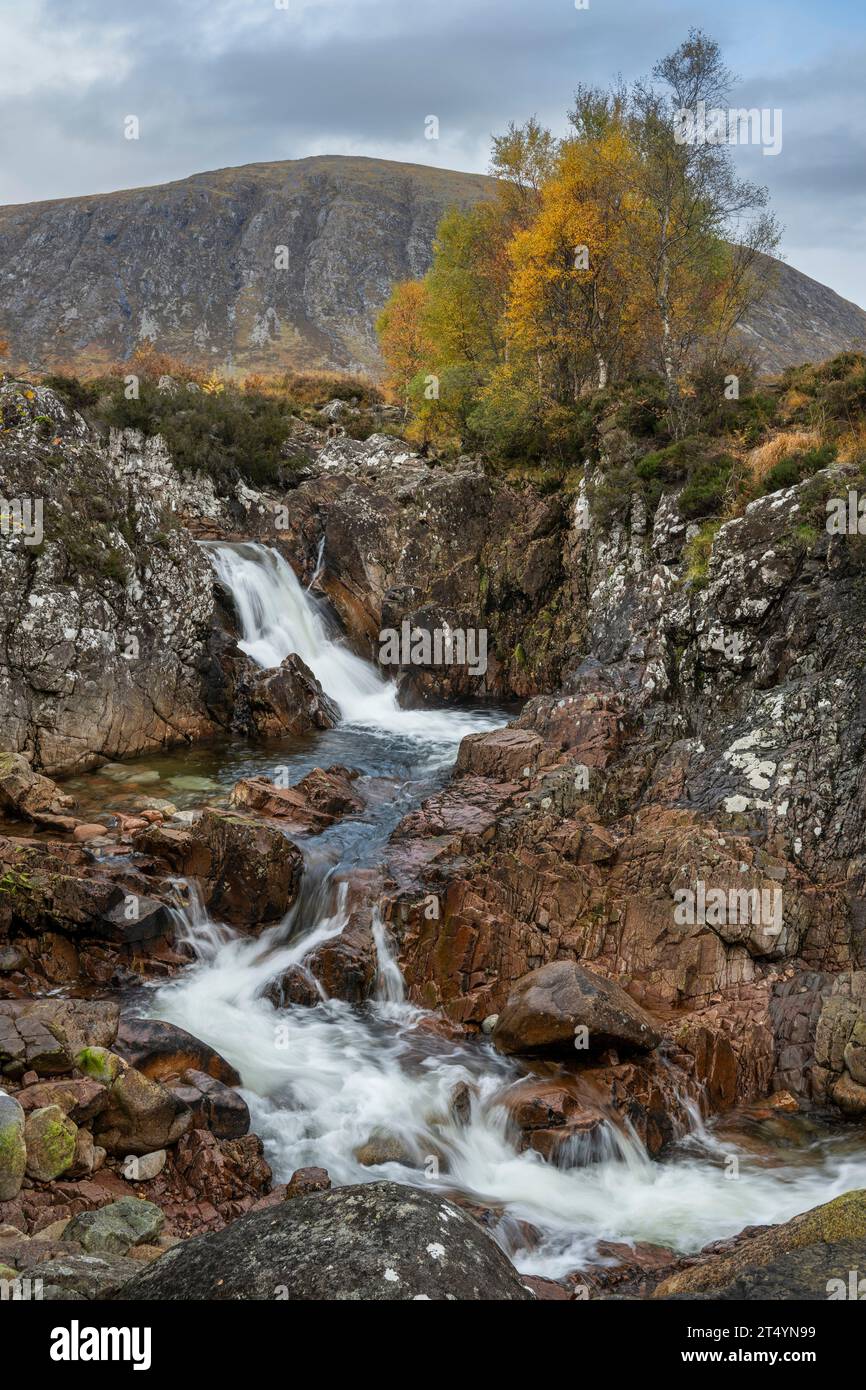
pixel 195 266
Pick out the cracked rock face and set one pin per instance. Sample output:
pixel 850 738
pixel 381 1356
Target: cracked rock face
pixel 104 621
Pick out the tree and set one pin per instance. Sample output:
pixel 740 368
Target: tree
pixel 692 205
pixel 403 341
pixel 572 289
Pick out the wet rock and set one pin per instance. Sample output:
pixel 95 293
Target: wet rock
pixel 382 1148
pixel 251 871
pixel 214 1106
pixel 50 1139
pixel 316 802
pixel 164 1051
pixel 376 1242
pixel 345 965
pixel 294 986
pixel 285 700
pixel 546 1010
pixel 842 1219
pixel 305 1181
pixel 113 1229
pixel 13 1151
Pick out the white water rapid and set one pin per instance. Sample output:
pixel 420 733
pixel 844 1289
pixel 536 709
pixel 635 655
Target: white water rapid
pixel 278 616
pixel 321 1082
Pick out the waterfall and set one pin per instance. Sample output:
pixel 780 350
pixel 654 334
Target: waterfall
pixel 325 1082
pixel 320 1082
pixel 278 616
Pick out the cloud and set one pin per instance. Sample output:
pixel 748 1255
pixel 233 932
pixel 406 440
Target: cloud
pixel 223 82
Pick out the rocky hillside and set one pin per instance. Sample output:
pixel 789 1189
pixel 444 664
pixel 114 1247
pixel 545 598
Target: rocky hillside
pixel 195 267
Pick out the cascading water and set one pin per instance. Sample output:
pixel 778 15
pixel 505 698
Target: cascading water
pixel 278 616
pixel 323 1082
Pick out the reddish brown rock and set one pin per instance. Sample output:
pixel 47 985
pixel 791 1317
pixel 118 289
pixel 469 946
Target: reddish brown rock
pixel 563 1007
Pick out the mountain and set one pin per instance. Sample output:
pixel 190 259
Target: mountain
pixel 193 266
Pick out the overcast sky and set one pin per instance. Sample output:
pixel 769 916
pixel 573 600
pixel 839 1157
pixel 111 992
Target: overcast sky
pixel 223 82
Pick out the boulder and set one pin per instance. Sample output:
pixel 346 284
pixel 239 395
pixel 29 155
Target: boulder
pixel 251 871
pixel 293 986
pixel 142 1115
pixel 842 1219
pixel 78 1097
pixel 163 1051
pixel 812 1273
pixel 284 700
pixel 50 1139
pixel 144 1167
pixel 30 796
pixel 115 1228
pixel 375 1242
pixel 305 1181
pixel 13 1151
pixel 547 1007
pixel 214 1105
pixel 316 802
pixel 79 1276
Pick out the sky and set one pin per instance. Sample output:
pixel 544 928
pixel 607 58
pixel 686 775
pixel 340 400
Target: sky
pixel 215 83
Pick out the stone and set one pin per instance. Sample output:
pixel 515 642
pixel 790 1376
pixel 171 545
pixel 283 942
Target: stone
pixel 375 1242
pixel 82 833
pixel 163 1051
pixel 13 1151
pixel 842 1219
pixel 82 1276
pixel 214 1105
pixel 293 986
pixel 320 799
pixel 305 1181
pixel 548 1006
pixel 100 1065
pixel 251 871
pixel 381 1148
pixel 142 1115
pixel 144 1167
pixel 50 1137
pixel 112 1229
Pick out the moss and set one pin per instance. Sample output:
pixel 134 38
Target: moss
pixel 697 554
pixel 14 884
pixel 99 1064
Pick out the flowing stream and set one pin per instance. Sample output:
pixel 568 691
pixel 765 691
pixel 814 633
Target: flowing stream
pixel 322 1082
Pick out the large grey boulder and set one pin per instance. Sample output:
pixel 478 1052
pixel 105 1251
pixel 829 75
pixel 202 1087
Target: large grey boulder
pixel 376 1242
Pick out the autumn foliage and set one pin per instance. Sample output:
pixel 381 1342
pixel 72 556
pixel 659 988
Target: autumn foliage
pixel 614 252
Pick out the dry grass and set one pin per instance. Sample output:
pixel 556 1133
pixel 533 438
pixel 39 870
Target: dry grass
pixel 852 445
pixel 765 457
